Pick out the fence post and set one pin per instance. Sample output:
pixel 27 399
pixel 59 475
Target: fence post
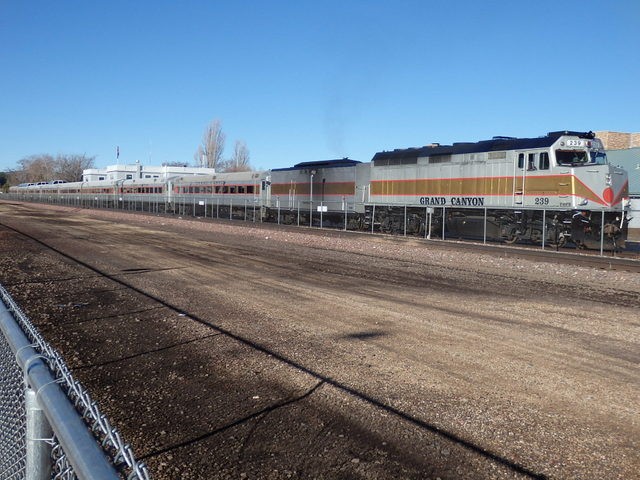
pixel 373 216
pixel 602 233
pixel 544 227
pixel 484 235
pixel 39 432
pixel 444 220
pixel 405 220
pixel 345 218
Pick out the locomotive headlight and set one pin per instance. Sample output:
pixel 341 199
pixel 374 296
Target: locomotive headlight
pixel 607 179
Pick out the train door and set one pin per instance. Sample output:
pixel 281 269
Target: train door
pixel 526 164
pixel 168 187
pixel 519 179
pixel 265 191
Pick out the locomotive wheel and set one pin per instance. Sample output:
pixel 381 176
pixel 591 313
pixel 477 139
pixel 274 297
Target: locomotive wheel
pixel 512 237
pixel 536 236
pixel 557 238
pixel 561 241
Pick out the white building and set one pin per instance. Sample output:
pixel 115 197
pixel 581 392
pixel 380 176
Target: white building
pixel 138 171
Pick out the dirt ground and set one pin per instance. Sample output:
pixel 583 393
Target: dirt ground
pixel 230 350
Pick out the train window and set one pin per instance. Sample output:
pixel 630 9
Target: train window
pixel 521 160
pixel 531 161
pixel 543 163
pixel 232 189
pixel 241 189
pixel 249 188
pixel 129 177
pixel 209 189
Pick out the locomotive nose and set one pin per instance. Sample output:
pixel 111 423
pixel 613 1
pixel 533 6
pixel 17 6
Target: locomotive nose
pixel 618 186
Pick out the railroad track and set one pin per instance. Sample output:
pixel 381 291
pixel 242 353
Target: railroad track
pixel 621 261
pixel 628 261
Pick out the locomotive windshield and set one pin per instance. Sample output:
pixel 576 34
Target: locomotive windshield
pixel 580 157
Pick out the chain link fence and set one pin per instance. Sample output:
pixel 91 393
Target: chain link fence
pixel 13 417
pixel 38 394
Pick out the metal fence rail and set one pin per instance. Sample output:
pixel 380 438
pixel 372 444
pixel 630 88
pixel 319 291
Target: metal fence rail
pixel 285 210
pixel 49 426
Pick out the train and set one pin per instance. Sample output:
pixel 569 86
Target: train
pixel 558 189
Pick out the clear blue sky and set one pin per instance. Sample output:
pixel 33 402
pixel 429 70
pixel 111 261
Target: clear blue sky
pixel 308 80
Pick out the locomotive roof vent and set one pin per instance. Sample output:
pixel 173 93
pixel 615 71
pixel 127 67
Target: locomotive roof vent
pixel 575 134
pixel 501 137
pixel 432 145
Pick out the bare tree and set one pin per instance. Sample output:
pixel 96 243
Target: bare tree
pixel 45 167
pixel 38 168
pixel 16 177
pixel 209 153
pixel 240 160
pixel 70 167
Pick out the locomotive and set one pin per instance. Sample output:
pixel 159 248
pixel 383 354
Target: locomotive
pixel 552 190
